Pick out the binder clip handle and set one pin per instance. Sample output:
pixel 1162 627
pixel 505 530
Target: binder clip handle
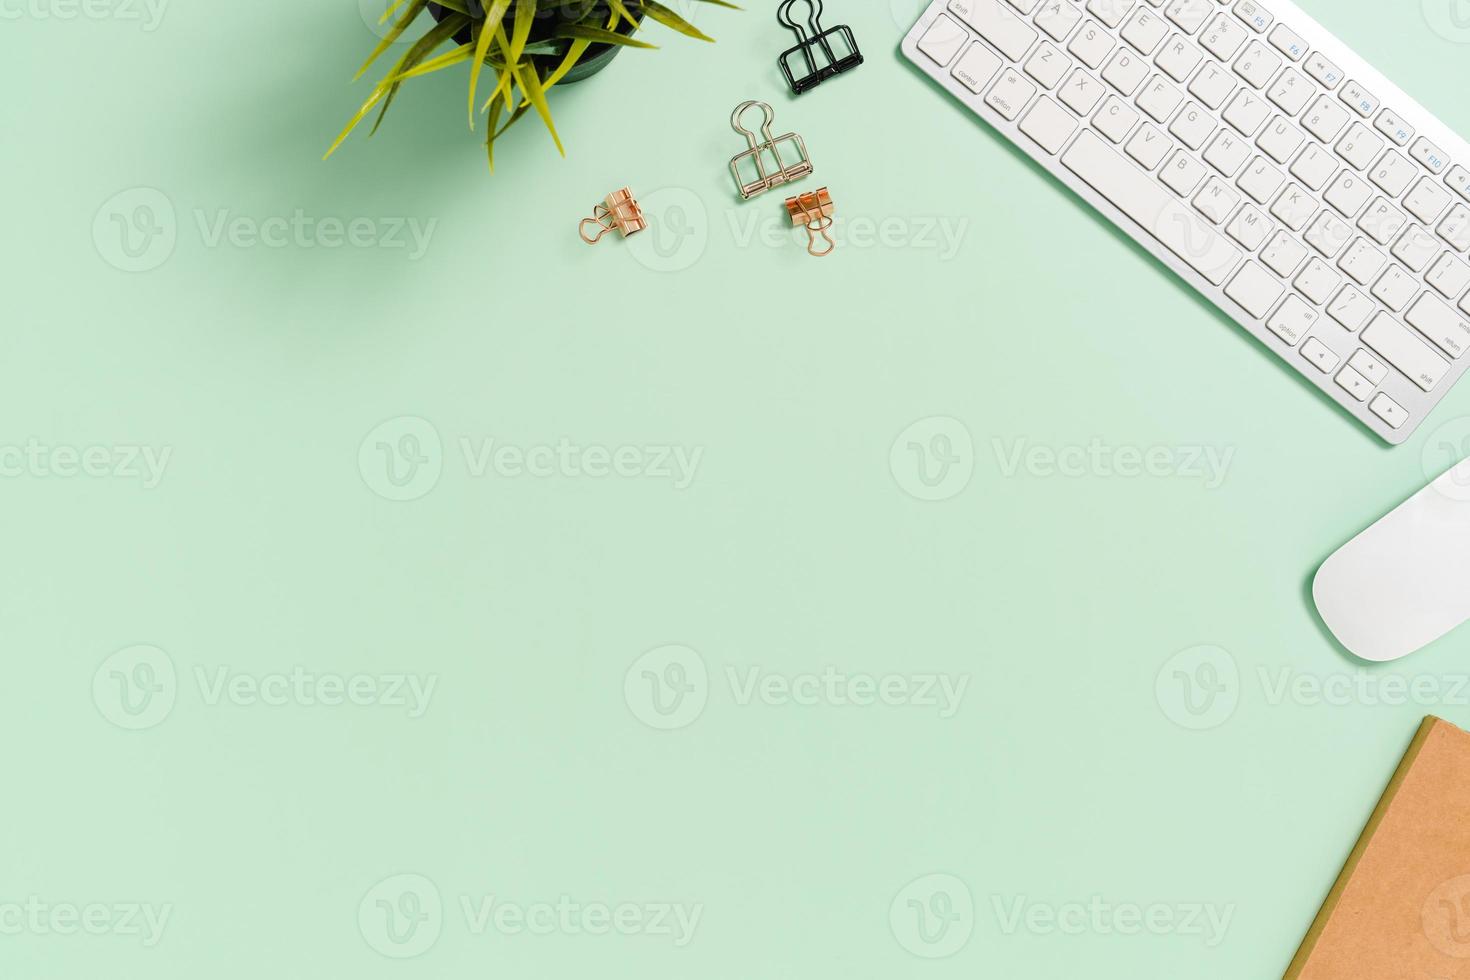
pixel 602 218
pixel 769 118
pixel 813 20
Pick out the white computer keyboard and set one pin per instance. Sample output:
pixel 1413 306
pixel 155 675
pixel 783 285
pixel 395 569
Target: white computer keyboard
pixel 1250 150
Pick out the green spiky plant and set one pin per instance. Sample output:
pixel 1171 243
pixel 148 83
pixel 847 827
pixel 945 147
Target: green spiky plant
pixel 498 35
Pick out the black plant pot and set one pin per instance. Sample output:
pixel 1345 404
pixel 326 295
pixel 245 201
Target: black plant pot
pixel 593 60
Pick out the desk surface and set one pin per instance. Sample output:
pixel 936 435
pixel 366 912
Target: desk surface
pixel 697 459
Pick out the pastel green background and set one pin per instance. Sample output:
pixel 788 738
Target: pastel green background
pixel 797 829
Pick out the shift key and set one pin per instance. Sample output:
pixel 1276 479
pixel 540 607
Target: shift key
pixel 993 21
pixel 1399 347
pixel 1159 213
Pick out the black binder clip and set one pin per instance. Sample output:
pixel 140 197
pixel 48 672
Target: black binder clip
pixel 818 57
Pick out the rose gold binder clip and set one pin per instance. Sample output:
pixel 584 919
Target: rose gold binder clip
pixel 813 209
pixel 765 152
pixel 619 213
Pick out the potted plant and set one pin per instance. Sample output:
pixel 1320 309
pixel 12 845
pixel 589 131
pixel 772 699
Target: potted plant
pixel 527 45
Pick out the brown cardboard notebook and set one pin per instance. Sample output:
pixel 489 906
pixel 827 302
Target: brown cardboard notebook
pixel 1401 907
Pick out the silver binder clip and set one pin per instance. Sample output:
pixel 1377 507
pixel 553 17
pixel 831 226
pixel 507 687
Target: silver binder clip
pixel 766 151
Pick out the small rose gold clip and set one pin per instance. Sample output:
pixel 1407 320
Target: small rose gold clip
pixel 813 209
pixel 619 213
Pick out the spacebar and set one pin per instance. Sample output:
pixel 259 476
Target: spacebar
pixel 1157 211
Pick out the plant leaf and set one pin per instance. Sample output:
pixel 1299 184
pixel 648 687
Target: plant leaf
pixel 493 17
pixel 596 34
pixel 525 18
pixel 574 51
pixel 531 86
pixel 671 20
pixel 415 7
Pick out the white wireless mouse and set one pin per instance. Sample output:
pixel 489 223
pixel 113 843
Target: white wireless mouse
pixel 1404 582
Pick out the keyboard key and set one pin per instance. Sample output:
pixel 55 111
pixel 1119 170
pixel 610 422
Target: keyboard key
pixel 1189 14
pixel 1348 194
pixel 1280 140
pixel 1261 180
pixel 1291 92
pixel 1049 125
pixel 1223 37
pixel 1057 18
pixel 1319 355
pixel 1283 255
pixel 1325 119
pixel 1216 200
pixel 1455 228
pixel 1359 147
pixel 1149 146
pixel 1249 227
pixel 1091 45
pixel 1246 112
pixel 1317 281
pixel 943 40
pixel 1258 65
pixel 1145 30
pixel 1368 366
pixel 1082 92
pixel 1361 262
pixel 1295 207
pixel 1009 33
pixel 1292 320
pixel 1445 327
pixel 1193 126
pixel 1159 99
pixel 1048 65
pixel 1165 218
pixel 1314 167
pixel 1182 174
pixel 1393 172
pixel 1328 235
pixel 1010 94
pixel 1254 289
pixel 1359 99
pixel 1178 59
pixel 1288 42
pixel 977 67
pixel 1382 221
pixel 1212 85
pixel 1416 248
pixel 1354 384
pixel 1126 71
pixel 1258 18
pixel 1449 276
pixel 1024 6
pixel 1396 345
pixel 1227 153
pixel 1389 410
pixel 1431 156
pixel 1323 70
pixel 1351 308
pixel 1110 12
pixel 1395 288
pixel 1115 120
pixel 1459 180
